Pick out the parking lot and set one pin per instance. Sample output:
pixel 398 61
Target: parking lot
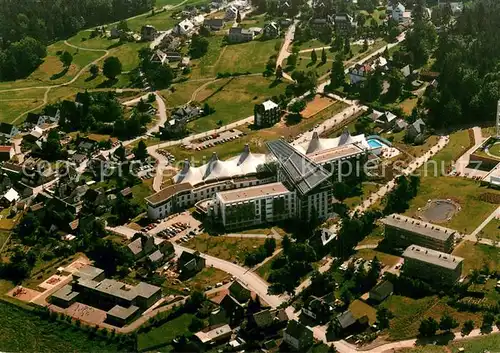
pixel 182 227
pixel 214 139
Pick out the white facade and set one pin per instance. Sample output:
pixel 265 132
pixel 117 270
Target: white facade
pixel 255 205
pixel 398 13
pixel 184 28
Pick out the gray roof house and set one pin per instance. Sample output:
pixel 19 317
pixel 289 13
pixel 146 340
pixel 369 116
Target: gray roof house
pixel 238 35
pixel 271 30
pixel 416 130
pixel 298 336
pixel 214 24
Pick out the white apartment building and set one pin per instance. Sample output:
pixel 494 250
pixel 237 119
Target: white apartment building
pixel 254 205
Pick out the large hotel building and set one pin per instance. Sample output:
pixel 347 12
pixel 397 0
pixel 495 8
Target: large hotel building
pixel 236 194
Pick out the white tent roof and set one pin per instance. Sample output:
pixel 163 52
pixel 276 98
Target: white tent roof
pixel 243 164
pixel 316 144
pixel 11 195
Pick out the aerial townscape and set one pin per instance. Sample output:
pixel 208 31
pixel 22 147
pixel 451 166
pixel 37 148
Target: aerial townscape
pixel 250 176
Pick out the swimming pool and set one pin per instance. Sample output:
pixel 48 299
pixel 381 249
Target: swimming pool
pixel 374 143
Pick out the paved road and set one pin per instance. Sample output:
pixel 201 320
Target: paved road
pixel 382 191
pixel 245 276
pixel 473 235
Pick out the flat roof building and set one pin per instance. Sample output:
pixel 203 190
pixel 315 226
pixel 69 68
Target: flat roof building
pixel 121 301
pixel 436 267
pixel 402 231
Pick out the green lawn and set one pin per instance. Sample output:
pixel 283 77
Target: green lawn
pixel 247 57
pixel 225 248
pixel 254 21
pixel 265 270
pixel 162 21
pixel 209 276
pixel 22 331
pixel 360 308
pixel 244 57
pixel 473 209
pixel 408 313
pixel 236 100
pixel 312 43
pixel 492 230
pixel 477 255
pixel 386 259
pixel 488 343
pixel 164 334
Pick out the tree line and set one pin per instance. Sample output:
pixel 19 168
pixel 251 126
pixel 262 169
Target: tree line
pixel 28 26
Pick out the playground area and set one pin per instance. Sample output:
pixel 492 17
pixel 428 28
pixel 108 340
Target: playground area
pixel 439 211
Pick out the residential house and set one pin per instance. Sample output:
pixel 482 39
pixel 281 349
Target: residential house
pixel 87 146
pixel 344 23
pixel 318 309
pixel 271 30
pixel 231 13
pixel 165 58
pixel 115 33
pixel 435 267
pixel 387 120
pixel 346 324
pixel 233 310
pixel 170 43
pixel 34 135
pixel 33 120
pixel 154 249
pixel 320 23
pixel 159 57
pixel 214 24
pixel 416 131
pixel 148 33
pixel 8 130
pixel 266 114
pixel 190 264
pixel 269 318
pixel 406 71
pixel 399 125
pixel 9 198
pixel 187 113
pixel 6 153
pixel 240 292
pixel 175 127
pixel 381 291
pixel 184 28
pixel 239 35
pixel 298 336
pixel 79 159
pixel 214 334
pixel 398 13
pixel 358 73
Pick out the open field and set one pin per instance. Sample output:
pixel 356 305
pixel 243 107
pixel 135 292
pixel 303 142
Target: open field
pixel 386 259
pixel 181 93
pixel 316 105
pixel 235 100
pixel 360 308
pixel 229 249
pixel 22 331
pixel 247 57
pixel 479 344
pixel 473 208
pixel 477 255
pixel 256 138
pixel 492 230
pixel 209 276
pixel 408 313
pixel 232 58
pixel 164 334
pixel 162 21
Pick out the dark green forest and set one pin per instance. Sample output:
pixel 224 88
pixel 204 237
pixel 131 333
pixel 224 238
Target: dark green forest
pixel 468 60
pixel 27 26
